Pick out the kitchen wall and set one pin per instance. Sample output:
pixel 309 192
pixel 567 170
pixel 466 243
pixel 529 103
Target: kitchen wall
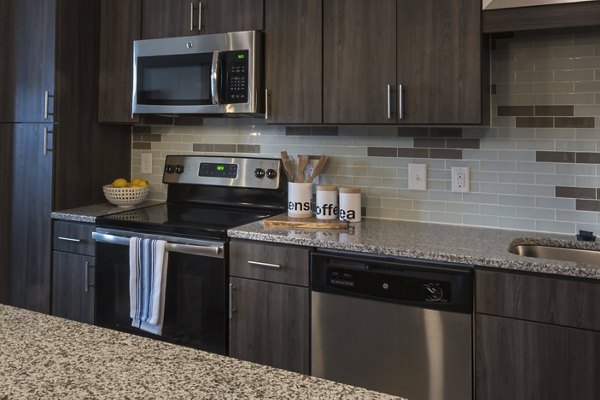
pixel 535 168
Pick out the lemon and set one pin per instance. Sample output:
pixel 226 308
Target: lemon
pixel 119 183
pixel 144 183
pixel 139 182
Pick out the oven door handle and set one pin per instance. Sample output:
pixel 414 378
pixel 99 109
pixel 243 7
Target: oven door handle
pixel 208 251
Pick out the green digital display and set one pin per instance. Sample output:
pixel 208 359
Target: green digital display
pixel 241 56
pixel 220 168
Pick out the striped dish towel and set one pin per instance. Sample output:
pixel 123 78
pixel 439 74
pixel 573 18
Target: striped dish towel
pixel 147 283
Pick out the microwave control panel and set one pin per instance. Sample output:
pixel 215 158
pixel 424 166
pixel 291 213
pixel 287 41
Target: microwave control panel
pixel 236 77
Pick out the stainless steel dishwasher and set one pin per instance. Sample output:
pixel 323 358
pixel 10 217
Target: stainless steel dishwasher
pixel 393 325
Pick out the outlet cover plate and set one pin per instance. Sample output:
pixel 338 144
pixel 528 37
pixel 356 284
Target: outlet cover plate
pixel 146 167
pixel 460 179
pixel 417 176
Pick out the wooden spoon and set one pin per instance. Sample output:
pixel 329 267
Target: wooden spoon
pixel 302 163
pixel 288 166
pixel 318 168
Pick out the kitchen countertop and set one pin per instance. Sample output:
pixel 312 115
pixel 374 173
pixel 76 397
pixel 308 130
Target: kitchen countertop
pixel 54 358
pixel 90 213
pixel 485 247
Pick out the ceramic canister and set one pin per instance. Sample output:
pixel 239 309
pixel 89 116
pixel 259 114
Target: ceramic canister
pixel 299 200
pixel 327 202
pixel 349 209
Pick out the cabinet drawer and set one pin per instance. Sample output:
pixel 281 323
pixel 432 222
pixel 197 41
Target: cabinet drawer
pixel 551 300
pixel 268 262
pixel 74 237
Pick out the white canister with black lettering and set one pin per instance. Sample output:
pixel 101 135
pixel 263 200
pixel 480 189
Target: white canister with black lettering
pixel 350 208
pixel 327 202
pixel 299 200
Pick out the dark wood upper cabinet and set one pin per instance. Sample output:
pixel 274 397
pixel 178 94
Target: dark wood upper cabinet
pixel 439 61
pixel 293 61
pixel 162 18
pixel 402 62
pixel 27 60
pixel 359 61
pixel 120 26
pixel 30 207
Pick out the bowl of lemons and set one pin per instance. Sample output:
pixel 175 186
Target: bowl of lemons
pixel 122 193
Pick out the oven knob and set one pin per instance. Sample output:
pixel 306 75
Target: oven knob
pixel 433 292
pixel 169 169
pixel 271 173
pixel 179 169
pixel 259 173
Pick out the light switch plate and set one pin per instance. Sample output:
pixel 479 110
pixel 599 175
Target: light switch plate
pixel 417 176
pixel 146 167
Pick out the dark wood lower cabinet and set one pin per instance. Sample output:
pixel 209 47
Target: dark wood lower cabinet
pixel 5 184
pixel 518 359
pixel 270 324
pixel 72 286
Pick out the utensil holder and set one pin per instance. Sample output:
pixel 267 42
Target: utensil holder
pixel 299 200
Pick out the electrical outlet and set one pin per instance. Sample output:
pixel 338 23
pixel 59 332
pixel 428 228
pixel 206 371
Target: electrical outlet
pixel 309 169
pixel 460 179
pixel 146 167
pixel 417 176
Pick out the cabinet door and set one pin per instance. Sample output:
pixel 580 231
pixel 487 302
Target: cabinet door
pixel 27 60
pixel 359 61
pixel 293 61
pixel 5 201
pixel 231 15
pixel 269 324
pixel 439 61
pixel 31 177
pixel 518 359
pixel 120 25
pixel 72 286
pixel 167 18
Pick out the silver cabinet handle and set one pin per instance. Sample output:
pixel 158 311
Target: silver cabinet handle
pixel 67 239
pixel 46 149
pixel 266 103
pixel 199 15
pixel 86 277
pixel 264 264
pixel 47 96
pixel 400 103
pixel 191 16
pixel 230 300
pixel 389 101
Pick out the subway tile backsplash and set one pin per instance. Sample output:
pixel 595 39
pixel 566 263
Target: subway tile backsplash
pixel 536 167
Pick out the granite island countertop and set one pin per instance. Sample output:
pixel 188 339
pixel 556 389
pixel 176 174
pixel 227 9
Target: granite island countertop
pixel 484 247
pixel 53 358
pixel 89 213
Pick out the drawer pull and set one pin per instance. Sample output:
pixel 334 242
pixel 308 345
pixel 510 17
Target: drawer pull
pixel 66 239
pixel 264 264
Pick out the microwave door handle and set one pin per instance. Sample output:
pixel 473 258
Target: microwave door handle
pixel 215 71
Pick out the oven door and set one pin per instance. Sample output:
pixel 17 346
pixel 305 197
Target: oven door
pixel 195 299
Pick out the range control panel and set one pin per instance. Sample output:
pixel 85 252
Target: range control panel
pixel 259 173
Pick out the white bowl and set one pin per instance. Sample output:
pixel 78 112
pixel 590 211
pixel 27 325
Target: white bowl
pixel 125 197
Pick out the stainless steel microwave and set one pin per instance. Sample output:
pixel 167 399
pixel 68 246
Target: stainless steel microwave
pixel 206 74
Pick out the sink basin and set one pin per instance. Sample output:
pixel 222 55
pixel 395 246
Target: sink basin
pixel 557 253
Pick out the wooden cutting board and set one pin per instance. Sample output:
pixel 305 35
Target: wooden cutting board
pixel 283 221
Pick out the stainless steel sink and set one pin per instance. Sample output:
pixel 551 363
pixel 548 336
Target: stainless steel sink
pixel 557 253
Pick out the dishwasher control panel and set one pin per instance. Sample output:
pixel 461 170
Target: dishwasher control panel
pixel 405 281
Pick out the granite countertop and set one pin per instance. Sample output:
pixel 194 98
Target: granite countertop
pixel 53 358
pixel 485 247
pixel 90 213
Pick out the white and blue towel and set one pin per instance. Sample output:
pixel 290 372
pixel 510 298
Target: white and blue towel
pixel 147 283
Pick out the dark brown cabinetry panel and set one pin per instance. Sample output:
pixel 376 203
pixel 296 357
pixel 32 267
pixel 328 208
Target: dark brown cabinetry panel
pixel 120 26
pixel 293 61
pixel 282 264
pixel 31 198
pixel 359 61
pixel 161 18
pixel 72 286
pixel 439 61
pixel 269 324
pixel 27 61
pixel 528 360
pixel 5 209
pixel 539 298
pixel 74 237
